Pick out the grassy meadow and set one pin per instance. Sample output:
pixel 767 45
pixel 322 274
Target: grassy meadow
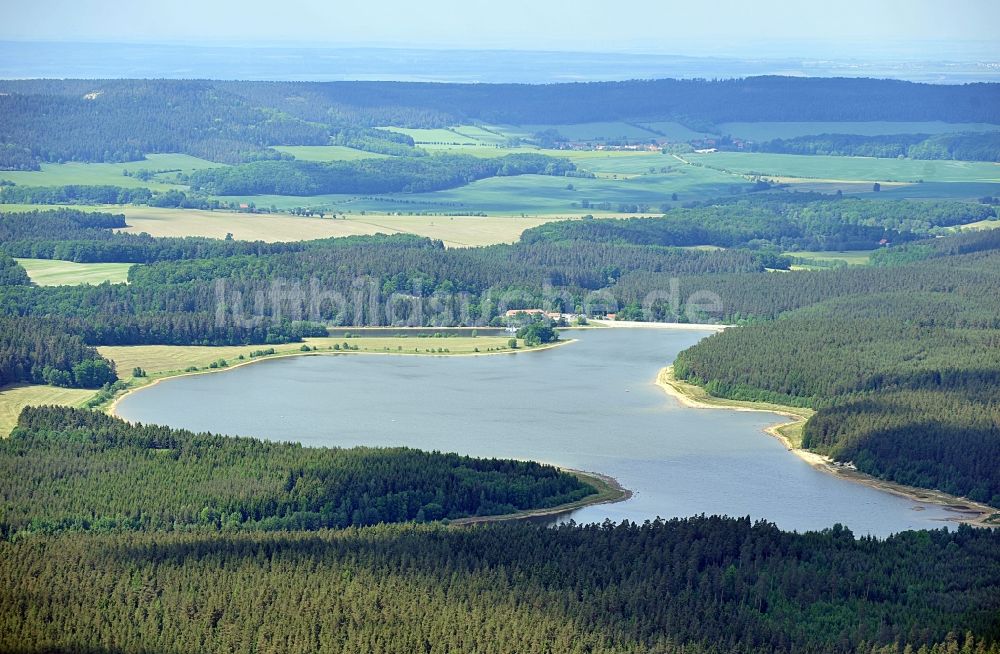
pixel 52 272
pixel 767 131
pixel 16 397
pixel 823 167
pixel 326 152
pixel 455 231
pixel 850 257
pixel 95 174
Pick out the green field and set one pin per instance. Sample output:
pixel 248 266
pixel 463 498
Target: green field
pixel 982 224
pixel 325 152
pixel 52 272
pixel 14 398
pixel 849 168
pixel 675 131
pixel 588 131
pixel 766 131
pixel 93 174
pixel 851 257
pixel 461 135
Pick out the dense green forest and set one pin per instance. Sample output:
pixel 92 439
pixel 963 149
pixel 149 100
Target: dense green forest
pixel 965 147
pixel 46 352
pixel 12 274
pixel 55 478
pixel 797 221
pixel 385 175
pixel 237 122
pixel 698 586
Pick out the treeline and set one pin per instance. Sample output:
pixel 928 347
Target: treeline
pixel 697 101
pixel 966 261
pixel 377 175
pixel 379 141
pixel 175 480
pixel 89 237
pixel 695 586
pixel 979 146
pixel 86 237
pixel 74 194
pixel 799 221
pixel 11 273
pixel 263 298
pixel 237 122
pixel 40 351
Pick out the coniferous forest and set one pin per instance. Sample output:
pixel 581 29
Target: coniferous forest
pixel 118 537
pixel 194 543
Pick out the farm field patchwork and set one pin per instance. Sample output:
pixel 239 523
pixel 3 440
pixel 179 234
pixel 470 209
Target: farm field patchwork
pixel 52 272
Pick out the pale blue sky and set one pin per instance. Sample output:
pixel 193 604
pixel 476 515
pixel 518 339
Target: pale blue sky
pixel 932 28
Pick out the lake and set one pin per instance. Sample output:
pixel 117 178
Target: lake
pixel 590 405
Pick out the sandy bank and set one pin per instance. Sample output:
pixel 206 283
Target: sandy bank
pixel 965 510
pixel 609 491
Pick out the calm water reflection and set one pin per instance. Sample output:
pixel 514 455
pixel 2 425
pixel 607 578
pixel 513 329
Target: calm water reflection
pixel 590 405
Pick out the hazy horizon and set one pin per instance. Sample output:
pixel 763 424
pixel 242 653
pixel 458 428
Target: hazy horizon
pixel 916 30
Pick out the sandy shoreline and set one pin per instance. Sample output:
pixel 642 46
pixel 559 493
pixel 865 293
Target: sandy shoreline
pixel 966 511
pixel 609 492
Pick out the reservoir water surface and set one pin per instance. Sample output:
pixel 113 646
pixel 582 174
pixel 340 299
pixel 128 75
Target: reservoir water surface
pixel 590 405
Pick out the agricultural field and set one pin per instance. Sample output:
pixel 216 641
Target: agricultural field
pixel 93 174
pixel 831 168
pixel 851 257
pixel 587 131
pixel 16 397
pixel 675 131
pixel 541 196
pixel 52 272
pixel 767 131
pixel 455 231
pixel 326 152
pixel 982 224
pixel 461 135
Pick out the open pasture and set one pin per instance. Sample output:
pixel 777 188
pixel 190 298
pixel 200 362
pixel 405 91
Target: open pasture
pixel 16 397
pixel 93 174
pixel 767 131
pixel 52 272
pixel 326 152
pixel 601 131
pixel 849 168
pixel 674 131
pixel 850 257
pixel 455 231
